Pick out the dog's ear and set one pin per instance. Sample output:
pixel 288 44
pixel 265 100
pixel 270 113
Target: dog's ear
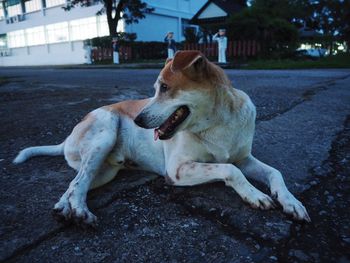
pixel 186 59
pixel 168 60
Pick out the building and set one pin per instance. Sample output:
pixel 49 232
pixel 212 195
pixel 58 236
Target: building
pixel 40 32
pixel 214 14
pixel 217 11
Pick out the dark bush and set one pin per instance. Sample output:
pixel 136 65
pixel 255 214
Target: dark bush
pixel 148 50
pixel 140 50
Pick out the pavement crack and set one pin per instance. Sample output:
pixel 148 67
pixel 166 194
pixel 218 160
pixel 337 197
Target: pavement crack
pixel 327 200
pixel 34 244
pixel 306 96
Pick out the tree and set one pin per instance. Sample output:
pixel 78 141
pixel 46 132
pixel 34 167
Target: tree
pixel 332 18
pixel 275 22
pixel 269 22
pixel 129 10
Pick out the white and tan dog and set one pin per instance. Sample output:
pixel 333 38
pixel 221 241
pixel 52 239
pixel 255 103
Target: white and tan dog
pixel 205 129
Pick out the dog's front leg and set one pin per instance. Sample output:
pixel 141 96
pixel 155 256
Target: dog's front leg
pixel 260 171
pixel 192 173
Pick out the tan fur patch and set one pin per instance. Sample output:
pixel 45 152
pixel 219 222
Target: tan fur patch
pixel 167 61
pixel 208 77
pixel 184 59
pixel 130 108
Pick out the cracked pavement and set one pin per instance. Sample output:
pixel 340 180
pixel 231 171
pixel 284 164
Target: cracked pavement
pixel 303 129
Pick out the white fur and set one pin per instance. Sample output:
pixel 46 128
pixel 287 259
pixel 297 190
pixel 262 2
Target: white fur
pixel 27 153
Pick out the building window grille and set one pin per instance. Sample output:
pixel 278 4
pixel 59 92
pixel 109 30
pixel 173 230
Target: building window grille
pixel 16 39
pixel 103 26
pixel 50 3
pixel 57 32
pixel 14 10
pixel 3 41
pixel 35 36
pixel 2 12
pixel 82 29
pixel 32 5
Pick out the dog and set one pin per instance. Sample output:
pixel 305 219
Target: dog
pixel 196 129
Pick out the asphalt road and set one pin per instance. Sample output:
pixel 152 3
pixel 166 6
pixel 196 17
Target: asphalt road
pixel 303 129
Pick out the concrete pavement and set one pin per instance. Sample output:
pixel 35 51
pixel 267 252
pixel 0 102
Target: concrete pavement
pixel 301 130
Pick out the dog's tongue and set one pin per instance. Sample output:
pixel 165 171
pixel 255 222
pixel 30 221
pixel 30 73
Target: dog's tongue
pixel 156 134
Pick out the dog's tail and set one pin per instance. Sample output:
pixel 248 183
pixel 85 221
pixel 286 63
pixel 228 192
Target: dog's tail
pixel 27 153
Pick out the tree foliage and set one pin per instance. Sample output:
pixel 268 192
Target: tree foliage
pixel 332 17
pixel 276 22
pixel 267 21
pixel 129 10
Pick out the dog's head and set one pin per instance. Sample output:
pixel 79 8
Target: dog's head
pixel 185 93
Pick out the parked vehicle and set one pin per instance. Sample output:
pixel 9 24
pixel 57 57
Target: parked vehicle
pixel 312 53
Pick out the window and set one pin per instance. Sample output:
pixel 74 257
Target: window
pixel 50 3
pixel 57 32
pixel 83 28
pixel 16 39
pixel 3 41
pixel 103 26
pixel 14 10
pixel 2 12
pixel 32 5
pixel 35 36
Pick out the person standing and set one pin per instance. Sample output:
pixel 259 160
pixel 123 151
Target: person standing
pixel 171 44
pixel 222 45
pixel 88 52
pixel 115 47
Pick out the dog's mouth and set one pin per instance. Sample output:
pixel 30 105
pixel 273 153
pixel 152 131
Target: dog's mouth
pixel 168 128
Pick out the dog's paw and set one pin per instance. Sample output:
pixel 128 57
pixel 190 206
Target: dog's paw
pixel 80 215
pixel 83 217
pixel 62 211
pixel 292 206
pixel 259 200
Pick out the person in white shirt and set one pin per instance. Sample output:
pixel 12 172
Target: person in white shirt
pixel 88 51
pixel 115 47
pixel 222 45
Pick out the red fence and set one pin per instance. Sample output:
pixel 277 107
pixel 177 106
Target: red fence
pixel 100 54
pixel 239 48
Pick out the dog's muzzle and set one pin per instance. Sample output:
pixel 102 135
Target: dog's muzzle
pixel 169 127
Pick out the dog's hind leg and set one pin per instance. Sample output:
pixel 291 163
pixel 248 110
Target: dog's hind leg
pixel 107 173
pixel 255 169
pixel 72 205
pixel 193 173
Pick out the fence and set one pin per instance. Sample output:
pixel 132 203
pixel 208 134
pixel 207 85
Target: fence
pixel 101 54
pixel 239 48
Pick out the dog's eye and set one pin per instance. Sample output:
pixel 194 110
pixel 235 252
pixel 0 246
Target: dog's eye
pixel 163 87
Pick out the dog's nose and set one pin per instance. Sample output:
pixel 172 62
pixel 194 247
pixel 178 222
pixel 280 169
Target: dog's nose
pixel 139 121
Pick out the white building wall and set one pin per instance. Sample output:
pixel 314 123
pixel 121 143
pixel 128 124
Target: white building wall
pixel 151 29
pixel 50 16
pixel 167 16
pixel 53 54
